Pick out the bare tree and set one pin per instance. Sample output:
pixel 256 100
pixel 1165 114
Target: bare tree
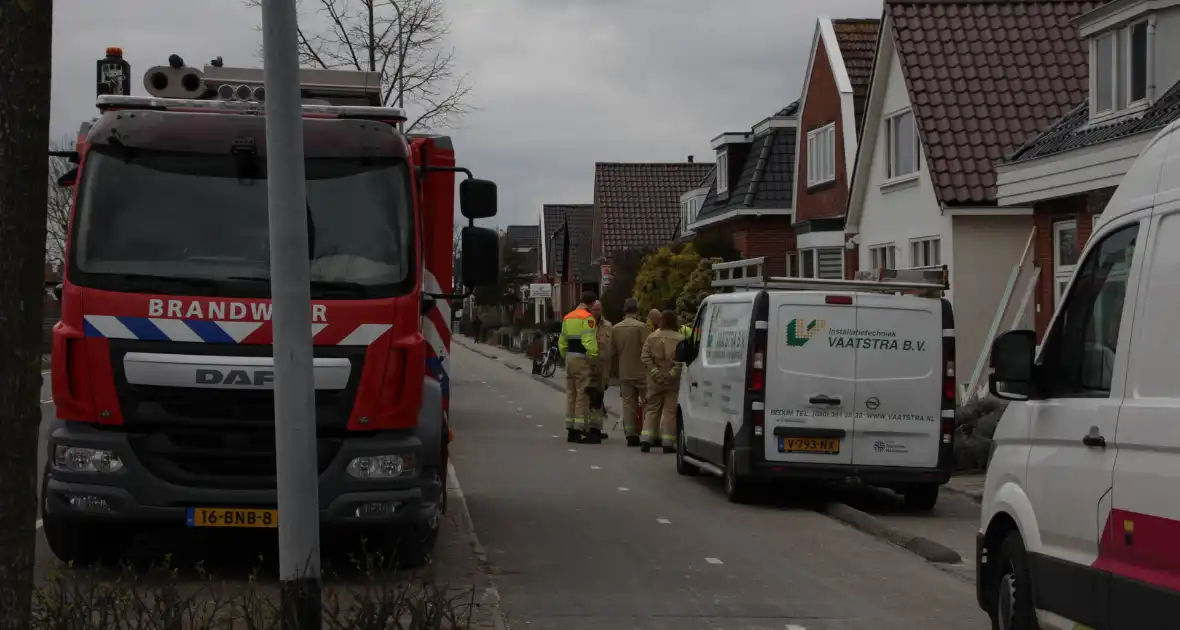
pixel 26 37
pixel 404 40
pixel 57 210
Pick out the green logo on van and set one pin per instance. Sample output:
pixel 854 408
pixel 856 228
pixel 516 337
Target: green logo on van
pixel 800 332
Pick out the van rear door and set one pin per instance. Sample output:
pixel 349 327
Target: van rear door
pixel 898 346
pixel 810 386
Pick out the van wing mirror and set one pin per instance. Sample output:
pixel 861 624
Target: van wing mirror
pixel 480 257
pixel 1012 357
pixel 68 178
pixel 477 198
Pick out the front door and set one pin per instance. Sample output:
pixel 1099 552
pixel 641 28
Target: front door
pixel 1073 444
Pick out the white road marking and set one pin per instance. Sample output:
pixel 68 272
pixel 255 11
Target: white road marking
pixel 541 426
pixel 663 521
pixel 595 468
pixel 519 408
pixel 528 417
pixel 713 561
pixel 791 626
pixel 573 450
pixel 556 436
pixel 622 489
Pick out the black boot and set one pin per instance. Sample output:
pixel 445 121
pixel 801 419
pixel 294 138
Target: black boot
pixel 573 435
pixel 600 433
pixel 645 447
pixel 632 440
pixel 669 449
pixel 591 438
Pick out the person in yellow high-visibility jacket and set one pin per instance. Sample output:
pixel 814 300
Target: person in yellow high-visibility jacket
pixel 578 345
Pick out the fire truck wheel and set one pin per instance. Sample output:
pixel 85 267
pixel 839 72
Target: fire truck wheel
pixel 83 544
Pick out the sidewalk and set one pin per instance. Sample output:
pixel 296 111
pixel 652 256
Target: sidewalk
pixel 970 486
pixel 523 364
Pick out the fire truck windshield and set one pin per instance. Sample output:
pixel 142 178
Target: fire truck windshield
pixel 198 225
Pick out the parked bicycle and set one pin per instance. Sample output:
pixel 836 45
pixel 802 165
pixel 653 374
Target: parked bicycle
pixel 547 365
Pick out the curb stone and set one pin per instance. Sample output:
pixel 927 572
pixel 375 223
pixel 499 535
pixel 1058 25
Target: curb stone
pixel 974 495
pixel 918 545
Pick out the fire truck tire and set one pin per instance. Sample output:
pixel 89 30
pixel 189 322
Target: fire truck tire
pixel 85 544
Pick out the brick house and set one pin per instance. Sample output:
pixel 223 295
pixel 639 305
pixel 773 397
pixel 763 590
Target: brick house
pixel 747 194
pixel 637 205
pixel 1068 173
pixel 565 257
pixel 523 244
pixel 831 110
pixel 956 87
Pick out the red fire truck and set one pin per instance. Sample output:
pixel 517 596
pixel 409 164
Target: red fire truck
pixel 162 361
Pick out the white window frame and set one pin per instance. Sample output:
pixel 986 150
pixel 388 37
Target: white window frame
pixel 891 140
pixel 821 155
pixel 883 253
pixel 1120 72
pixel 793 257
pixel 1062 273
pixel 812 255
pixel 919 260
pixel 723 171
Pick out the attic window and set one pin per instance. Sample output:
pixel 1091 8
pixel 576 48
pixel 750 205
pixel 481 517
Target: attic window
pixel 903 145
pixel 723 171
pixel 821 155
pixel 1119 60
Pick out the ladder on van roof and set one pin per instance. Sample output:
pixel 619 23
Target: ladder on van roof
pixel 750 274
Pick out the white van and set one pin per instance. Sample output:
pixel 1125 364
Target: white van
pixel 832 384
pixel 1080 524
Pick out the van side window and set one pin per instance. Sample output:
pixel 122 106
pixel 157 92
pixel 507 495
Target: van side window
pixel 1078 360
pixel 699 322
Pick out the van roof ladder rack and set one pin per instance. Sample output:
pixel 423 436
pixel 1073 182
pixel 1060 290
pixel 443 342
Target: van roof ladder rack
pixel 750 274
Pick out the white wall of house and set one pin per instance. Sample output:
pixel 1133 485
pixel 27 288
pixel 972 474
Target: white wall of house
pixel 986 249
pixel 898 212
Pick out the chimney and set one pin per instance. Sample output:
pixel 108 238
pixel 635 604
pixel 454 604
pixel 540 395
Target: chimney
pixel 690 159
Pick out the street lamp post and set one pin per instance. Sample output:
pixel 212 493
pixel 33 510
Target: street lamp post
pixel 290 286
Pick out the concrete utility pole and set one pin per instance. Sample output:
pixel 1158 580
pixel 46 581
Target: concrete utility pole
pixel 290 286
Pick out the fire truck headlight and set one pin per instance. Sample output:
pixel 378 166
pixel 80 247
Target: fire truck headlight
pixel 88 460
pixel 382 467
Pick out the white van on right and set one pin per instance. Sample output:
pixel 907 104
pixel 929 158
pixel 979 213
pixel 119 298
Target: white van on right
pixel 1080 526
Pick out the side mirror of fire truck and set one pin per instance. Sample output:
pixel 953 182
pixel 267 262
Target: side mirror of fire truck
pixel 68 178
pixel 477 198
pixel 57 291
pixel 480 262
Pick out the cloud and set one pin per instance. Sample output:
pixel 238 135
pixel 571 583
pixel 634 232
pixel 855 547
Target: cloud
pixel 559 84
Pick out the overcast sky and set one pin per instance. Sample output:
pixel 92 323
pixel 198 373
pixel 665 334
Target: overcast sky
pixel 559 84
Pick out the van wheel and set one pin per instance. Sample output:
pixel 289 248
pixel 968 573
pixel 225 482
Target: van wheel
pixel 683 467
pixel 1012 601
pixel 737 487
pixel 921 497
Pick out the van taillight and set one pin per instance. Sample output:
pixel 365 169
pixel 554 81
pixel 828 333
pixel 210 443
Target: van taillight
pixel 838 299
pixel 757 370
pixel 948 391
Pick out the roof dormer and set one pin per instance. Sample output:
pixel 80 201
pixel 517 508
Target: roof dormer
pixel 731 148
pixel 1122 42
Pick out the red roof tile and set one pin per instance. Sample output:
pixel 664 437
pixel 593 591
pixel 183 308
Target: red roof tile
pixel 984 77
pixel 857 39
pixel 638 205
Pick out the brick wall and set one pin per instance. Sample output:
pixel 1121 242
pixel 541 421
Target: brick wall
pixel 768 237
pixel 822 107
pixel 1079 208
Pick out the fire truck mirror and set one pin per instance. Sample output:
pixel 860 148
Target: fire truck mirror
pixel 480 260
pixel 57 291
pixel 68 178
pixel 477 198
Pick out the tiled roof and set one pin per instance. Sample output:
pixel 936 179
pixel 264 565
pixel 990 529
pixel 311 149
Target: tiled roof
pixel 580 218
pixel 857 39
pixel 984 77
pixel 639 204
pixel 766 180
pixel 788 111
pixel 1074 132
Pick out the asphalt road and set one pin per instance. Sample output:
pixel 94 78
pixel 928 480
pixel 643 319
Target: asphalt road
pixel 582 537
